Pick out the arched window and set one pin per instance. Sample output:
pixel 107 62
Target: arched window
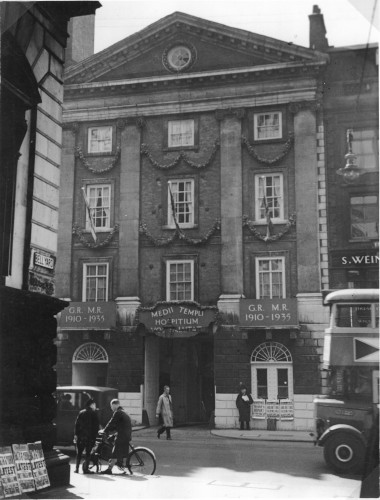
pixel 271 352
pixel 90 353
pixel 272 372
pixel 90 365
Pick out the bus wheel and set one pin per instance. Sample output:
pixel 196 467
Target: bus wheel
pixel 344 453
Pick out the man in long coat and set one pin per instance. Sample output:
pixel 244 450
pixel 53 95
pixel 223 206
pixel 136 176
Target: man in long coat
pixel 86 430
pixel 121 423
pixel 165 410
pixel 243 403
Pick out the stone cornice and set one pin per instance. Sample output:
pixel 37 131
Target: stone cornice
pixel 215 76
pixel 135 110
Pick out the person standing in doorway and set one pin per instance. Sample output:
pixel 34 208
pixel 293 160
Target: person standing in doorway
pixel 243 404
pixel 165 410
pixel 85 432
pixel 120 423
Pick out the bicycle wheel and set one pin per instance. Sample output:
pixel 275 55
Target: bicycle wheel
pixel 141 460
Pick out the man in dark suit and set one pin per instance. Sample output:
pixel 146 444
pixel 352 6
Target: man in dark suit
pixel 121 423
pixel 86 430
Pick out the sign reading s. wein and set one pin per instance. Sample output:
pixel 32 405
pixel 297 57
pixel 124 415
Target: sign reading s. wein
pixel 177 319
pixel 88 315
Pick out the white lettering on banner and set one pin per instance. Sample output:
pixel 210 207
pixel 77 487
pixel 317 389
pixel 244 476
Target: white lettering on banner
pixel 255 308
pixel 176 321
pixel 91 310
pixel 276 307
pixel 43 261
pixel 163 312
pixel 75 310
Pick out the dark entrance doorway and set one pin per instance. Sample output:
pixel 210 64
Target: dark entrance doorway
pixel 187 366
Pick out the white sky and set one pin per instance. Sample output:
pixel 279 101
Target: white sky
pixel 347 21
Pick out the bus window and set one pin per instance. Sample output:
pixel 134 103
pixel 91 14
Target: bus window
pixel 352 382
pixel 351 316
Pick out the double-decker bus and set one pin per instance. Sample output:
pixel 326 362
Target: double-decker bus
pixel 346 414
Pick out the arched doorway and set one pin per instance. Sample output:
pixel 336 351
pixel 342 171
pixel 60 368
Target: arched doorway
pixel 90 365
pixel 272 382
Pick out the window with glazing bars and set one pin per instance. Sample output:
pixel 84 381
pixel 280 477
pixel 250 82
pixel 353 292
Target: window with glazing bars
pixel 267 126
pixel 180 133
pixel 180 280
pixel 183 198
pixel 95 282
pixel 99 199
pixel 270 278
pixel 364 217
pixel 100 139
pixel 269 191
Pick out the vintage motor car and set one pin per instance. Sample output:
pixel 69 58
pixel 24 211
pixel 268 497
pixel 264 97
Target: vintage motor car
pixel 72 399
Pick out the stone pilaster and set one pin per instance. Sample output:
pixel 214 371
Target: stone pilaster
pixel 306 182
pixel 66 210
pixel 128 279
pixel 151 379
pixel 231 201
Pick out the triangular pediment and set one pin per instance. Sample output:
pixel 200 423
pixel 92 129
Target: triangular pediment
pixel 184 44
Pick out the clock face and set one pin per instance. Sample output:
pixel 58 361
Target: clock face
pixel 178 57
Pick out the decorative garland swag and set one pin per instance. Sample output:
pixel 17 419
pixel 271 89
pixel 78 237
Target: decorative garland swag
pixel 265 237
pixel 181 157
pixel 79 154
pixel 79 232
pixel 273 161
pixel 180 235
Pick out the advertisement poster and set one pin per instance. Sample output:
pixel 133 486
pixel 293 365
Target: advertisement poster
pixel 273 409
pixel 23 467
pixel 258 408
pixel 286 410
pixel 8 474
pixel 39 470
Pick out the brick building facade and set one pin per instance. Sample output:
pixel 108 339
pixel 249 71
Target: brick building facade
pixel 199 152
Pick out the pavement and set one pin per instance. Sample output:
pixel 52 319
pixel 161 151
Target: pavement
pixel 252 435
pixel 264 435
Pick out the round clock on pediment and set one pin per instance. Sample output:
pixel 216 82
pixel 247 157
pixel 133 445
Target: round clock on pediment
pixel 179 57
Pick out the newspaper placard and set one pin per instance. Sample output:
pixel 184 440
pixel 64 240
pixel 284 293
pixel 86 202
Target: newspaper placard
pixel 39 470
pixel 286 410
pixel 258 409
pixel 273 409
pixel 8 474
pixel 24 472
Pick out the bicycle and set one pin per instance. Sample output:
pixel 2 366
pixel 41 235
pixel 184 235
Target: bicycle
pixel 140 459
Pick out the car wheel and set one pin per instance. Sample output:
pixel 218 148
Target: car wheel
pixel 344 453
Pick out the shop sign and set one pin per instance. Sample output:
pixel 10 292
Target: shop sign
pixel 88 315
pixel 45 261
pixel 358 258
pixel 177 319
pixel 262 313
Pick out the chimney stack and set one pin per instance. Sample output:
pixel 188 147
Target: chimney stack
pixel 81 41
pixel 318 40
